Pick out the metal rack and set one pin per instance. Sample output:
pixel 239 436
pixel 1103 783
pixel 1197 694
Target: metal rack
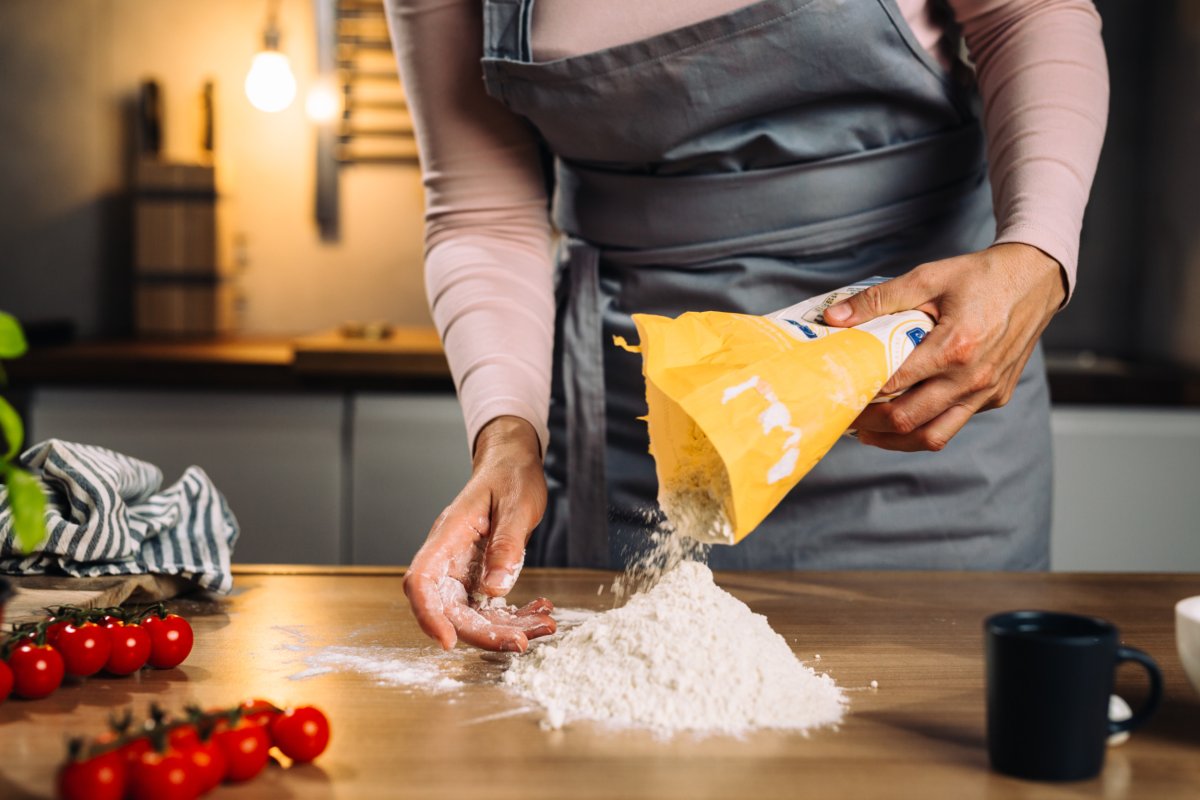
pixel 374 127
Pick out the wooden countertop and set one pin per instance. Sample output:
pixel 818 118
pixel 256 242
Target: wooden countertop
pixel 921 734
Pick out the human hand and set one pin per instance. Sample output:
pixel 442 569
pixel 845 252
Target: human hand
pixel 475 550
pixel 989 308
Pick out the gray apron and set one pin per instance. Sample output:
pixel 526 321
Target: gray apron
pixel 741 164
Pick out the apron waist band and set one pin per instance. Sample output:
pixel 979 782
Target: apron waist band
pixel 629 211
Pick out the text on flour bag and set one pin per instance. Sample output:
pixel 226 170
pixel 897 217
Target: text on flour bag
pixel 741 407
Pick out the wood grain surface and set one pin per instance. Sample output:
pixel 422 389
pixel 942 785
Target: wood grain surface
pixel 406 351
pixel 411 359
pixel 36 593
pixel 920 734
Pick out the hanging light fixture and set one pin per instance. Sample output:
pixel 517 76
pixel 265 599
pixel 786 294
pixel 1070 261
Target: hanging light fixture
pixel 324 102
pixel 270 84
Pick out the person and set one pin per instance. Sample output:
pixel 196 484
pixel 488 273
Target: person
pixel 740 156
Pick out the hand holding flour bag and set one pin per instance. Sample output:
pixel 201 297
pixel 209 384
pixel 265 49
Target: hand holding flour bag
pixel 741 407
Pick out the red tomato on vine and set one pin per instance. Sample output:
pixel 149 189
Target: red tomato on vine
pixel 102 777
pixel 171 640
pixel 301 733
pixel 245 747
pixel 130 649
pixel 53 628
pixel 259 712
pixel 6 681
pixel 133 750
pixel 183 738
pixel 162 776
pixel 207 763
pixel 84 648
pixel 37 670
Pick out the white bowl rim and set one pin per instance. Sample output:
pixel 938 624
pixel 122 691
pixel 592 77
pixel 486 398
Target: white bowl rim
pixel 1189 607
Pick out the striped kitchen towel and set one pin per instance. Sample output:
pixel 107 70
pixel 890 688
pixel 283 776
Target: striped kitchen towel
pixel 107 514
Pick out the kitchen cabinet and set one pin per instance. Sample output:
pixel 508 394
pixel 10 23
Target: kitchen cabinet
pixel 313 478
pixel 277 457
pixel 1126 489
pixel 410 459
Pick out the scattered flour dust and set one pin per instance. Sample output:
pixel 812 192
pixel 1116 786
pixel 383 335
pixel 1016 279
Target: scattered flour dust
pixel 683 656
pixel 417 668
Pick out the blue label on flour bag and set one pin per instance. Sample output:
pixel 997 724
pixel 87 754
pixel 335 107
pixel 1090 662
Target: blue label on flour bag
pixel 915 335
pixel 807 331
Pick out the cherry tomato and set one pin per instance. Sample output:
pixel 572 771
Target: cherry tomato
pixel 6 681
pixel 170 640
pixel 134 750
pixel 54 628
pixel 259 712
pixel 103 777
pixel 207 764
pixel 84 648
pixel 130 649
pixel 37 670
pixel 245 749
pixel 205 759
pixel 301 733
pixel 183 738
pixel 162 776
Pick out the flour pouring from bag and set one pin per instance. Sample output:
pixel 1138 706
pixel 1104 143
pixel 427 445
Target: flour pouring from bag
pixel 741 407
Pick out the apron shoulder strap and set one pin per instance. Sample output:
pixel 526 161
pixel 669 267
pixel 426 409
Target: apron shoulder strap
pixel 507 30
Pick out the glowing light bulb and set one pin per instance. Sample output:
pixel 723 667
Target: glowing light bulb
pixel 323 103
pixel 270 84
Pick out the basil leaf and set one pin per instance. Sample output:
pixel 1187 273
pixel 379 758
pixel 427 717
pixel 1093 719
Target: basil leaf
pixel 28 506
pixel 12 339
pixel 13 430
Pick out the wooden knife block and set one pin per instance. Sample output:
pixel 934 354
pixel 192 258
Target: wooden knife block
pixel 183 284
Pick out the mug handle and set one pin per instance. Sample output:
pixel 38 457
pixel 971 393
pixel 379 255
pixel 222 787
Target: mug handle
pixel 1148 708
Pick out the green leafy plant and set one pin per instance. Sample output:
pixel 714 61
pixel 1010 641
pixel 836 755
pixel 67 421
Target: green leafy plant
pixel 25 497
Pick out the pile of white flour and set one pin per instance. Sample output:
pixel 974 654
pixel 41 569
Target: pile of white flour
pixel 683 656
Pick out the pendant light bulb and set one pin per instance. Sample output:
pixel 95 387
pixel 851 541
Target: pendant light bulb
pixel 270 84
pixel 323 103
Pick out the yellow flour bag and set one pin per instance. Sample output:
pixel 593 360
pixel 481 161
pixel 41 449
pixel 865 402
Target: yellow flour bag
pixel 742 407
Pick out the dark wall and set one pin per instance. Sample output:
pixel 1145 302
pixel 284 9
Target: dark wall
pixel 57 171
pixel 1139 247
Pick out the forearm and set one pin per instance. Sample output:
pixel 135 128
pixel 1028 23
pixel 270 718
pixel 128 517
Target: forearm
pixel 1044 81
pixel 489 275
pixel 493 304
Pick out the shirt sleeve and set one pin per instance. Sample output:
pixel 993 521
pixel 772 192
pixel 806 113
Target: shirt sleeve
pixel 1044 81
pixel 488 270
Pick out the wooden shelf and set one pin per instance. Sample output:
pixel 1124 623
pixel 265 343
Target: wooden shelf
pixel 411 359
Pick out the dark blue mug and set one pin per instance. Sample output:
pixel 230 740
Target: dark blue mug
pixel 1049 678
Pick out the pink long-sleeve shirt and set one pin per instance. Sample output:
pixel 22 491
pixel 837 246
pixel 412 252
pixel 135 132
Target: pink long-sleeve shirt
pixel 488 269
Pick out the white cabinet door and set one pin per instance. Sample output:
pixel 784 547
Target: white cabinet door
pixel 1126 489
pixel 410 460
pixel 276 457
